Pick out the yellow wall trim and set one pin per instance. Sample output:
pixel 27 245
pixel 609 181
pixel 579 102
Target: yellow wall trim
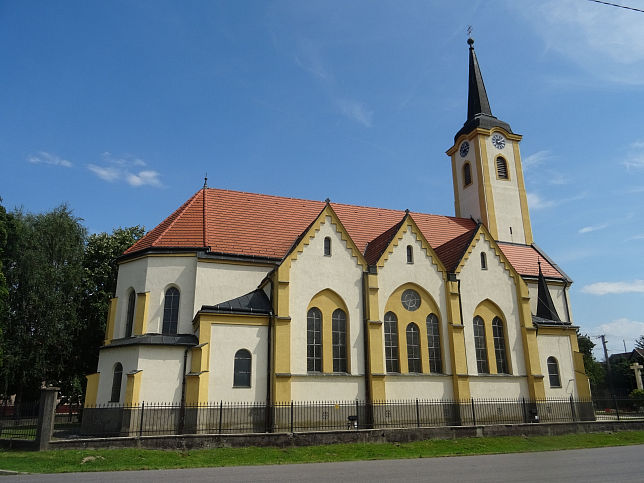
pixel 141 314
pixel 523 198
pixel 91 393
pixel 133 388
pixel 111 317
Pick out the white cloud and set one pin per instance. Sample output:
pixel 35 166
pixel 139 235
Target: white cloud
pixel 356 111
pixel 639 236
pixel 123 168
pixel 607 42
pixel 536 202
pixel 588 229
pixel 536 159
pixel 619 330
pixel 43 157
pixel 635 155
pixel 605 288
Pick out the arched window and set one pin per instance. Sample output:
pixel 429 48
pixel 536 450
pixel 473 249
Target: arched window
pixel 314 340
pixel 116 383
pixel 480 346
pixel 483 261
pixel 467 174
pixel 501 168
pixel 129 324
pixel 434 344
pixel 242 369
pixel 391 342
pixel 410 254
pixel 413 348
pixel 553 372
pixel 327 246
pixel 499 347
pixel 339 335
pixel 171 311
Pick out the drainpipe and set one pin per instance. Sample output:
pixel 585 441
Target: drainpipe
pixel 182 417
pixel 269 366
pixel 367 352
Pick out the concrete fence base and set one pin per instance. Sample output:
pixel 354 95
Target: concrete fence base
pixel 403 435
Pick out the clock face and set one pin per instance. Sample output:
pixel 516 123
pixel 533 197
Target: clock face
pixel 465 148
pixel 498 141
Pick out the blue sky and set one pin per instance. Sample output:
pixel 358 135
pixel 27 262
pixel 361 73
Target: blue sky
pixel 119 108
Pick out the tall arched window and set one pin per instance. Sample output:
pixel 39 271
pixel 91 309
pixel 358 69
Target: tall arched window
pixel 327 246
pixel 553 372
pixel 116 383
pixel 480 346
pixel 242 369
pixel 499 347
pixel 391 342
pixel 129 321
pixel 413 348
pixel 467 174
pixel 171 311
pixel 501 168
pixel 410 254
pixel 339 335
pixel 434 344
pixel 314 340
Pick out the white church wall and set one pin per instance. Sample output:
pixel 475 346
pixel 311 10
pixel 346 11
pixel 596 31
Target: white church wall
pixel 131 275
pixel 411 386
pixel 558 347
pixel 162 376
pixel 498 386
pixel 218 282
pixel 496 284
pixel 559 295
pixel 225 341
pixel 128 357
pixel 507 204
pixel 328 387
pixel 313 272
pixel 396 272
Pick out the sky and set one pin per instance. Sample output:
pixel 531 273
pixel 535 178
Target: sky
pixel 120 108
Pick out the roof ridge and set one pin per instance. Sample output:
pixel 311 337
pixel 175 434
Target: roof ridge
pixel 203 219
pixel 263 194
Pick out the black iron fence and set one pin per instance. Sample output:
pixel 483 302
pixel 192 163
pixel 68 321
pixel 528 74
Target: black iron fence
pixel 19 421
pixel 226 418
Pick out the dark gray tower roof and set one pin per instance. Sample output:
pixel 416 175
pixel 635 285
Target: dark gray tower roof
pixel 545 306
pixel 479 113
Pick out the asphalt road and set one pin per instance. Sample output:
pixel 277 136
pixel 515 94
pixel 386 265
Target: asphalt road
pixel 619 464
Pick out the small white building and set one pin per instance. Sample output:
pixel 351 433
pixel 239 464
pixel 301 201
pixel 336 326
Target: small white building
pixel 245 297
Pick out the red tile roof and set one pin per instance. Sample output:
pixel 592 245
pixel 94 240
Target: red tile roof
pixel 249 224
pixel 525 260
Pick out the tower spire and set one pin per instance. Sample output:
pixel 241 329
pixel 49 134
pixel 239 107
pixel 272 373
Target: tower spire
pixel 479 113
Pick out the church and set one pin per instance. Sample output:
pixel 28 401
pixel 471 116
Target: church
pixel 243 297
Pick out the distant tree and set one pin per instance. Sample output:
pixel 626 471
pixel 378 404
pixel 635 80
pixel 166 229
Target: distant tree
pixel 594 370
pixel 43 256
pixel 4 290
pixel 639 342
pixel 97 287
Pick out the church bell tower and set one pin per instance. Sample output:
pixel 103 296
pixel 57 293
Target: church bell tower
pixel 486 167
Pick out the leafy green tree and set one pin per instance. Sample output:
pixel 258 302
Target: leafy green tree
pixel 594 370
pixel 44 256
pixel 98 286
pixel 4 290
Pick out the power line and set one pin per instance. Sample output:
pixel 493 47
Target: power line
pixel 617 5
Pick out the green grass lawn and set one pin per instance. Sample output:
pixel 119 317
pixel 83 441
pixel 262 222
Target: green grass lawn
pixel 141 459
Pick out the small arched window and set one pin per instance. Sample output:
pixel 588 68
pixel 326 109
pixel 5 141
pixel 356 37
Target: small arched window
pixel 171 311
pixel 116 383
pixel 467 174
pixel 501 168
pixel 391 342
pixel 413 348
pixel 339 336
pixel 434 344
pixel 314 340
pixel 499 346
pixel 483 261
pixel 242 369
pixel 410 254
pixel 327 246
pixel 553 372
pixel 129 324
pixel 480 346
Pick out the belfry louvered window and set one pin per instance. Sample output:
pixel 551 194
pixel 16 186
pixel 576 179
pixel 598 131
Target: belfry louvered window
pixel 501 168
pixel 467 174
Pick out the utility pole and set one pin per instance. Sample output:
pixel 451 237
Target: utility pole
pixel 609 373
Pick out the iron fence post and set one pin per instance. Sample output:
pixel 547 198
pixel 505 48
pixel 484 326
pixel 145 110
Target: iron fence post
pixel 525 411
pixel 572 408
pixel 616 406
pixel 473 413
pixel 417 414
pixel 221 414
pixel 141 419
pixel 357 416
pixel 291 416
